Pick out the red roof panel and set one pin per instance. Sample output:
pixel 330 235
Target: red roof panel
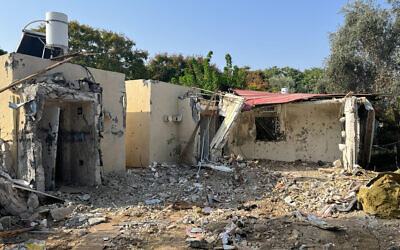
pixel 254 98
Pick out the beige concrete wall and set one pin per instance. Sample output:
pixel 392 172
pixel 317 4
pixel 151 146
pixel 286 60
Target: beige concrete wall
pixel 16 66
pixel 149 137
pixel 185 128
pixel 313 132
pixel 137 123
pixel 164 138
pixel 7 118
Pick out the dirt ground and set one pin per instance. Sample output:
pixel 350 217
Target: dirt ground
pixel 185 205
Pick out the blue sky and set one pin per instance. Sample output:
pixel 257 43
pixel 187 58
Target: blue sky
pixel 258 34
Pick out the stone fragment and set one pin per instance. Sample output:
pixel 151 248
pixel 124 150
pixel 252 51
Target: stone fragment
pixel 96 220
pixel 288 200
pixel 197 243
pixel 84 197
pixel 61 213
pixel 33 201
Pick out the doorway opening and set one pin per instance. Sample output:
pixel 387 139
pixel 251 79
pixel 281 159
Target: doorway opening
pixel 67 133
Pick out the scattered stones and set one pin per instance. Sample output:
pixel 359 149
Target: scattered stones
pixel 197 243
pixel 255 215
pixel 33 201
pixel 61 213
pixel 338 164
pixel 288 200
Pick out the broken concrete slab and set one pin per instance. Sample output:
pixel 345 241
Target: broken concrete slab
pixel 96 220
pixel 11 199
pixel 231 106
pixel 61 213
pixel 33 201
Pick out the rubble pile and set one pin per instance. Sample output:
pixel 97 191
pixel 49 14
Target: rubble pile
pixel 166 205
pixel 164 183
pixel 332 191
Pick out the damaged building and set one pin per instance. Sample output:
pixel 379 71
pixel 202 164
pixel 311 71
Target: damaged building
pixel 160 119
pixel 306 127
pixel 64 126
pixel 171 123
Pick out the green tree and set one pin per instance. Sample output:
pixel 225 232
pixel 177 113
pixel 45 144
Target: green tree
pixel 312 80
pixel 233 76
pixel 362 49
pixel 202 74
pixel 112 51
pixel 2 52
pixel 288 77
pixel 256 80
pixel 167 68
pixel 365 55
pixel 277 82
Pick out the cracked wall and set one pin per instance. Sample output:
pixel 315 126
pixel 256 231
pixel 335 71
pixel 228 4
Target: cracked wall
pixel 312 132
pixel 111 150
pixel 61 135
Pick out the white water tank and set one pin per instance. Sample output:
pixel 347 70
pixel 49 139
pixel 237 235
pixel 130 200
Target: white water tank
pixel 284 90
pixel 57 30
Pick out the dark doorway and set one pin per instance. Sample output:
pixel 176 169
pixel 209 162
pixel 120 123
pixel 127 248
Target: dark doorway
pixel 59 157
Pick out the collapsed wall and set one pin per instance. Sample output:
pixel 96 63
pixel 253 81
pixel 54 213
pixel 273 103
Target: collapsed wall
pixel 64 128
pixel 60 138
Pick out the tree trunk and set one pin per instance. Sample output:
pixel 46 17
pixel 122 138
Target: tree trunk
pixel 396 114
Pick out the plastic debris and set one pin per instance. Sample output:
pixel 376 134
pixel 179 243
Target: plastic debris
pixel 85 197
pixel 152 201
pixel 317 222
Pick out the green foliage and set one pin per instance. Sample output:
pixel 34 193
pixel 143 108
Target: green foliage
pixel 114 52
pixel 256 80
pixel 278 81
pixel 202 74
pixel 365 57
pixel 2 52
pixel 232 77
pixel 363 49
pixel 312 80
pixel 167 68
pixel 297 81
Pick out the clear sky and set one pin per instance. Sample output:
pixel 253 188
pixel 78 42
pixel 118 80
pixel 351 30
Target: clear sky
pixel 258 34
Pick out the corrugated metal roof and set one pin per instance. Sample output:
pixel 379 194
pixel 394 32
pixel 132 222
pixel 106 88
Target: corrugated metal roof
pixel 254 98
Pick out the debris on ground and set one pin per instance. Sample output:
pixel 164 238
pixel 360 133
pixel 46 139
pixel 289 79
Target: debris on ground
pixel 317 222
pixel 175 209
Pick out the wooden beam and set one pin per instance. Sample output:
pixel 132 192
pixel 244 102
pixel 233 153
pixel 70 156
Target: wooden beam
pixel 368 137
pixel 36 191
pixel 18 231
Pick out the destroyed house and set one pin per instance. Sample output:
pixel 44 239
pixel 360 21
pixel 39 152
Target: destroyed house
pixel 306 127
pixel 173 123
pixel 63 127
